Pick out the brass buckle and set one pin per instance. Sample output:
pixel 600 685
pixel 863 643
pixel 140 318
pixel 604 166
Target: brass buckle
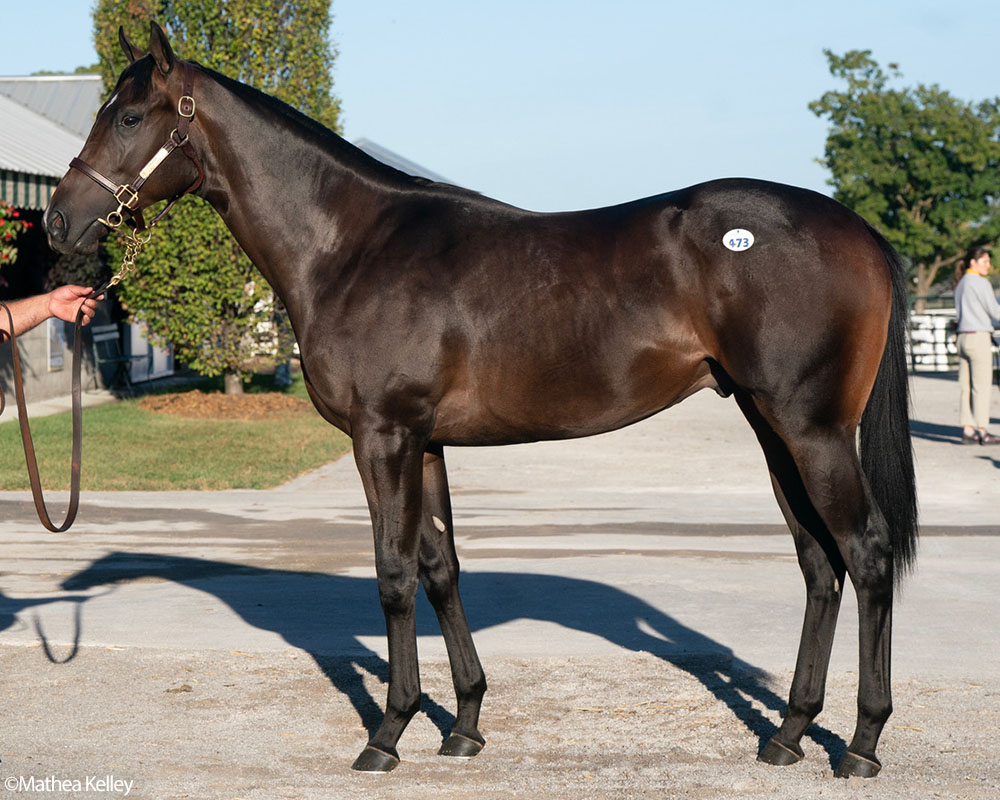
pixel 125 190
pixel 186 101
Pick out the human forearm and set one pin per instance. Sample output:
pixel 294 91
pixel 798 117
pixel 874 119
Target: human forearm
pixel 26 313
pixel 62 303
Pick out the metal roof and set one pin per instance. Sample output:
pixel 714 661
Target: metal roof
pixel 68 100
pixel 34 153
pixel 386 156
pixel 32 144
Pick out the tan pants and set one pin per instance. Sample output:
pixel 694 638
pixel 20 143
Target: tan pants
pixel 975 376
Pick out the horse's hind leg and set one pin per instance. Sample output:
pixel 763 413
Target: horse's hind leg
pixel 828 464
pixel 823 571
pixel 824 578
pixel 439 573
pixel 831 473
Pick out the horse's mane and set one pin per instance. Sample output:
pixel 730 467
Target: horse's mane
pixel 328 140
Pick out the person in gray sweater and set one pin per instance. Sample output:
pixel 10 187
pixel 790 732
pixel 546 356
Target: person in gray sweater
pixel 978 313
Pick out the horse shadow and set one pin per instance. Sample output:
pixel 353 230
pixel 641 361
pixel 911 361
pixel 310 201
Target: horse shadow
pixel 13 608
pixel 327 616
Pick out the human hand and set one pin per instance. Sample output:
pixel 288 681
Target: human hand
pixel 65 301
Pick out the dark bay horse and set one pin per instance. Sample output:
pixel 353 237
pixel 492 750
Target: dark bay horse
pixel 428 315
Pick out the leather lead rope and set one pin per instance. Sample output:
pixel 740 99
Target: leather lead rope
pixel 77 395
pixel 22 419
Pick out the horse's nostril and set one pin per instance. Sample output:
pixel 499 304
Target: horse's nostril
pixel 55 225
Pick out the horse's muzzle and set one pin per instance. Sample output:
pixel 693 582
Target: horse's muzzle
pixel 59 229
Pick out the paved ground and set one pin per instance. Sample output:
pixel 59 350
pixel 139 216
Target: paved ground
pixel 636 603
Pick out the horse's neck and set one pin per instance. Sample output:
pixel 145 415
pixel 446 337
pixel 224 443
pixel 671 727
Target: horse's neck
pixel 282 192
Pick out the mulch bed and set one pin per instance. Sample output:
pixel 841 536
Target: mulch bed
pixel 215 405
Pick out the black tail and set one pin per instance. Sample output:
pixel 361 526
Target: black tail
pixel 886 449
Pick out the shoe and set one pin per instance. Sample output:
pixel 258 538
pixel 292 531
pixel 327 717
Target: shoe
pixel 988 438
pixel 972 438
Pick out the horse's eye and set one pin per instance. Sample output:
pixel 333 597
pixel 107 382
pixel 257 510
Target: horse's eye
pixel 130 121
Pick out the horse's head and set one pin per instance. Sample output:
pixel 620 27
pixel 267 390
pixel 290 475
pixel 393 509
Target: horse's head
pixel 147 108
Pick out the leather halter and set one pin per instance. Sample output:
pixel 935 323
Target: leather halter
pixel 127 194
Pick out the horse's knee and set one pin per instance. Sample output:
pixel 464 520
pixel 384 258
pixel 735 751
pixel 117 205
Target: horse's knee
pixel 397 594
pixel 440 589
pixel 439 576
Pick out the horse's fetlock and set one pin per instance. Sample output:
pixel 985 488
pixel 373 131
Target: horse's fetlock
pixel 477 689
pixel 808 709
pixel 874 711
pixel 409 710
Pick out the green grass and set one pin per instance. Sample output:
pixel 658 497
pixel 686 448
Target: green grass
pixel 128 448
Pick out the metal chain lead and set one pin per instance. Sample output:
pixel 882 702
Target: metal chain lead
pixel 133 246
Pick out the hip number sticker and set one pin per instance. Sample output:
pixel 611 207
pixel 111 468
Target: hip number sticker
pixel 738 239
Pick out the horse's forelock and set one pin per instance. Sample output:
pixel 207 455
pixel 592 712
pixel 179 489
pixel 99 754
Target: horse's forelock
pixel 135 82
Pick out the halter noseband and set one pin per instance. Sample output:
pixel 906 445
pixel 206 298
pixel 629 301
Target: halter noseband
pixel 127 194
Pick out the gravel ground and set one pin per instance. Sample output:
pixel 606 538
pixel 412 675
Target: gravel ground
pixel 241 725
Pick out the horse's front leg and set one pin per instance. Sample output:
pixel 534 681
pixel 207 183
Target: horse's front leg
pixel 390 460
pixel 439 573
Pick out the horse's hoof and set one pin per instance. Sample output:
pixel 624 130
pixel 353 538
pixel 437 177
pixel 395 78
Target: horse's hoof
pixel 855 766
pixel 780 755
pixel 374 760
pixel 459 746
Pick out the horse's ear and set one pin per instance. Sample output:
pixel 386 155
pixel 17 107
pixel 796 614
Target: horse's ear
pixel 160 49
pixel 132 53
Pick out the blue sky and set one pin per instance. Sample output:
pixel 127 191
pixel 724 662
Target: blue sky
pixel 557 105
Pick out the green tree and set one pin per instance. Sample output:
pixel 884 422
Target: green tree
pixel 195 287
pixel 920 164
pixel 91 69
